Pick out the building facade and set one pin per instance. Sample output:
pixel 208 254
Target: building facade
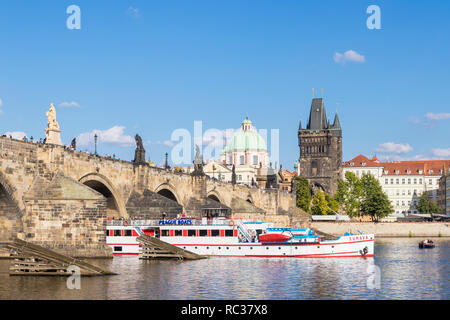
pixel 402 181
pixel 320 146
pixel 444 193
pixel 286 180
pixel 246 148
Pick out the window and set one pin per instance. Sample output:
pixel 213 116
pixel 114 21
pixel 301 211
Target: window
pixel 192 233
pixel 420 181
pixel 409 192
pixel 107 233
pixel 415 181
pixel 117 233
pixel 215 233
pixel 255 160
pixel 165 233
pixel 430 181
pixel 117 249
pixel 397 181
pixel 242 160
pixel 392 181
pixel 203 233
pixel 409 181
pixel 127 233
pixel 178 233
pixel 386 181
pixel 229 233
pixel 403 181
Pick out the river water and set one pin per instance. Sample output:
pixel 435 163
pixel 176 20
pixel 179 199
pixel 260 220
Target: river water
pixel 406 272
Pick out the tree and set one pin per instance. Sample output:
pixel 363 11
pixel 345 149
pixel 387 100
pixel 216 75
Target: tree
pixel 323 204
pixel 427 206
pixel 374 202
pixel 349 194
pixel 303 192
pixel 319 204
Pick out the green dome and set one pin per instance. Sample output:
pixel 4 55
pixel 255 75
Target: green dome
pixel 248 139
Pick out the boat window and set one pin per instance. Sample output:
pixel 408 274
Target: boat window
pixel 117 249
pixel 107 233
pixel 228 233
pixel 215 233
pixel 117 233
pixel 203 233
pixel 267 248
pixel 239 248
pixel 219 248
pixel 127 233
pixel 191 233
pixel 165 233
pixel 228 248
pixel 178 233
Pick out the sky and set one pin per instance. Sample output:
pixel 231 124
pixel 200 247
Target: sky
pixel 152 67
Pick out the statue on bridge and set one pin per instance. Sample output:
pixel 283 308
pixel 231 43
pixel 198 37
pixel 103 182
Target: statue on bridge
pixel 198 163
pixel 139 154
pixel 52 132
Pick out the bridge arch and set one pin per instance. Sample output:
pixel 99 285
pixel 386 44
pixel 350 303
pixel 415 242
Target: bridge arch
pixel 215 196
pixel 100 183
pixel 10 213
pixel 168 191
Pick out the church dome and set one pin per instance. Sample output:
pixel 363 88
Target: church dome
pixel 246 139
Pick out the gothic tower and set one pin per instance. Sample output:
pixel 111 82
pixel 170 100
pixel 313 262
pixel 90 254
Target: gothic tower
pixel 321 149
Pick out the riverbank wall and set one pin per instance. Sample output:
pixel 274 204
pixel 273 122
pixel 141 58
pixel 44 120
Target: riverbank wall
pixel 386 229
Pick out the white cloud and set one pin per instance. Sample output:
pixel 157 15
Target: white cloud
pixel 349 55
pixel 16 134
pixel 437 116
pixel 441 153
pixel 69 104
pixel 397 148
pixel 133 12
pixel 113 136
pixel 1 102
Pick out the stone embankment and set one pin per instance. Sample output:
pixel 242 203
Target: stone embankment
pixel 386 229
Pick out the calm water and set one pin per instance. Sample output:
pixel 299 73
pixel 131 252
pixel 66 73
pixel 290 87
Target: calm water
pixel 406 273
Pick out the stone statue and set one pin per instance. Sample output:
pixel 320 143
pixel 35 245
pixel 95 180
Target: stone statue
pixel 139 154
pixel 198 163
pixel 73 145
pixel 51 118
pixel 52 132
pixel 139 144
pixel 198 158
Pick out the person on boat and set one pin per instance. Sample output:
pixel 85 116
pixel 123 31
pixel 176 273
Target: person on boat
pixel 164 215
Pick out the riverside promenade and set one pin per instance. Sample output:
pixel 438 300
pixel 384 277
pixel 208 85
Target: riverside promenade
pixel 386 229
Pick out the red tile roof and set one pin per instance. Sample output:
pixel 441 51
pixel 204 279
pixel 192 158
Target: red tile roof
pixel 360 159
pixel 403 167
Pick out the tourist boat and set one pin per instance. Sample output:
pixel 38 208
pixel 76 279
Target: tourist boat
pixel 426 244
pixel 235 238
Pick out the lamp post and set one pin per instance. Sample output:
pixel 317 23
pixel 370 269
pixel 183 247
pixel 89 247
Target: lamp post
pixel 95 140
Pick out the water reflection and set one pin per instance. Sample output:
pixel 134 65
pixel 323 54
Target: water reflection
pixel 406 273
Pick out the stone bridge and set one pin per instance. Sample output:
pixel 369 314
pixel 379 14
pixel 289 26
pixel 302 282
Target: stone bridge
pixel 40 183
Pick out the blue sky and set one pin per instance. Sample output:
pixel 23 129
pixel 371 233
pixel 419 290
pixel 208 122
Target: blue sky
pixel 150 67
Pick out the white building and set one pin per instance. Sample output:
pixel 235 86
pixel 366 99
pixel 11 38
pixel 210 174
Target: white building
pixel 402 181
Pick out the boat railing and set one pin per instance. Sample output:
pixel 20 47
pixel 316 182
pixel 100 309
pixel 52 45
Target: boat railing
pixel 165 222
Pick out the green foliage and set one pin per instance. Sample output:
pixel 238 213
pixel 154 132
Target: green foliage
pixel 427 206
pixel 349 194
pixel 319 203
pixel 303 192
pixel 374 202
pixel 324 204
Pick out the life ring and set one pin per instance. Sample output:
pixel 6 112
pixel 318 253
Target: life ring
pixel 125 223
pixel 231 223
